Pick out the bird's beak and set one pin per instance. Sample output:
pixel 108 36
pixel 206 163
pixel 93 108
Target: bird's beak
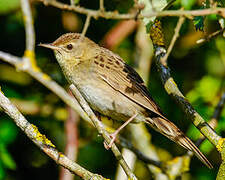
pixel 50 46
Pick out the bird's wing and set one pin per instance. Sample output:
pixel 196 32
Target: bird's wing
pixel 126 80
pixel 123 78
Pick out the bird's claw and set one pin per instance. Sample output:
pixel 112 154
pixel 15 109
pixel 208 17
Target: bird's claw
pixel 113 138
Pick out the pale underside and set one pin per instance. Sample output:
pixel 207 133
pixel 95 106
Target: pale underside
pixel 113 88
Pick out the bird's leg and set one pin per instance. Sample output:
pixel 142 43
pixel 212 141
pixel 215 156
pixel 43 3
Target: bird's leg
pixel 114 135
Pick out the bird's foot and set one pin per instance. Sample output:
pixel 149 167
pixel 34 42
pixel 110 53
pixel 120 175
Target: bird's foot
pixel 114 135
pixel 113 138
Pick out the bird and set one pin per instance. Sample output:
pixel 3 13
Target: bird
pixel 113 88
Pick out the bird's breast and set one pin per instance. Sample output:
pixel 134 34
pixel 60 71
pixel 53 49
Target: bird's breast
pixel 106 100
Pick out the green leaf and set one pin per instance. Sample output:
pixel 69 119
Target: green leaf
pixel 199 20
pixel 193 133
pixel 76 1
pixel 203 174
pixel 199 23
pixel 205 89
pixel 148 26
pixel 10 92
pixel 7 6
pixel 206 147
pixel 187 4
pixel 6 159
pixel 8 131
pixel 2 171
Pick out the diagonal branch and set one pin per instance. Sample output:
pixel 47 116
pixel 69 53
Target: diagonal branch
pixel 20 64
pixel 42 142
pixel 210 36
pixel 172 42
pixel 102 131
pixel 29 28
pixel 215 117
pixel 86 24
pixel 173 90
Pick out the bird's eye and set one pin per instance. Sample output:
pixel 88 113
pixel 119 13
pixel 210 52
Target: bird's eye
pixel 69 46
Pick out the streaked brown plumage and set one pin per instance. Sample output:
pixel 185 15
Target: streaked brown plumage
pixel 113 88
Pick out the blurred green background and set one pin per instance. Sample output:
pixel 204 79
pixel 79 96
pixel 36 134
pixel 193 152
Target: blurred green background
pixel 199 70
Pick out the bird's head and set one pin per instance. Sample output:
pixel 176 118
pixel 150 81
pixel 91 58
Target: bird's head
pixel 71 48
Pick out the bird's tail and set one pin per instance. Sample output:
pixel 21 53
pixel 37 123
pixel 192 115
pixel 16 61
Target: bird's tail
pixel 171 131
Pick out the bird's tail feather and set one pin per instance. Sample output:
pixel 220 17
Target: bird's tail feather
pixel 168 129
pixel 189 145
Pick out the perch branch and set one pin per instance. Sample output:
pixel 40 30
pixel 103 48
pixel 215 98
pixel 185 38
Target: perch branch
pixel 172 42
pixel 20 64
pixel 210 36
pixel 29 28
pixel 102 131
pixel 173 90
pixel 42 142
pixel 86 24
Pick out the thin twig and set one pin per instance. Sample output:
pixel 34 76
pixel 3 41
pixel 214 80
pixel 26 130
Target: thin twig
pixel 173 90
pixel 101 5
pixel 140 155
pixel 28 62
pixel 210 36
pixel 215 117
pixel 172 42
pixel 18 63
pixel 102 131
pixel 86 24
pixel 213 121
pixel 72 2
pixel 116 15
pixel 219 107
pixel 130 158
pixel 29 28
pixel 42 142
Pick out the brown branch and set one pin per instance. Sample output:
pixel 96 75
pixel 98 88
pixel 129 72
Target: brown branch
pixel 210 36
pixel 21 65
pixel 42 142
pixel 139 133
pixel 173 90
pixel 101 5
pixel 219 107
pixel 215 117
pixel 102 131
pixel 72 2
pixel 29 28
pixel 116 15
pixel 140 155
pixel 28 64
pixel 86 24
pixel 172 42
pixel 130 158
